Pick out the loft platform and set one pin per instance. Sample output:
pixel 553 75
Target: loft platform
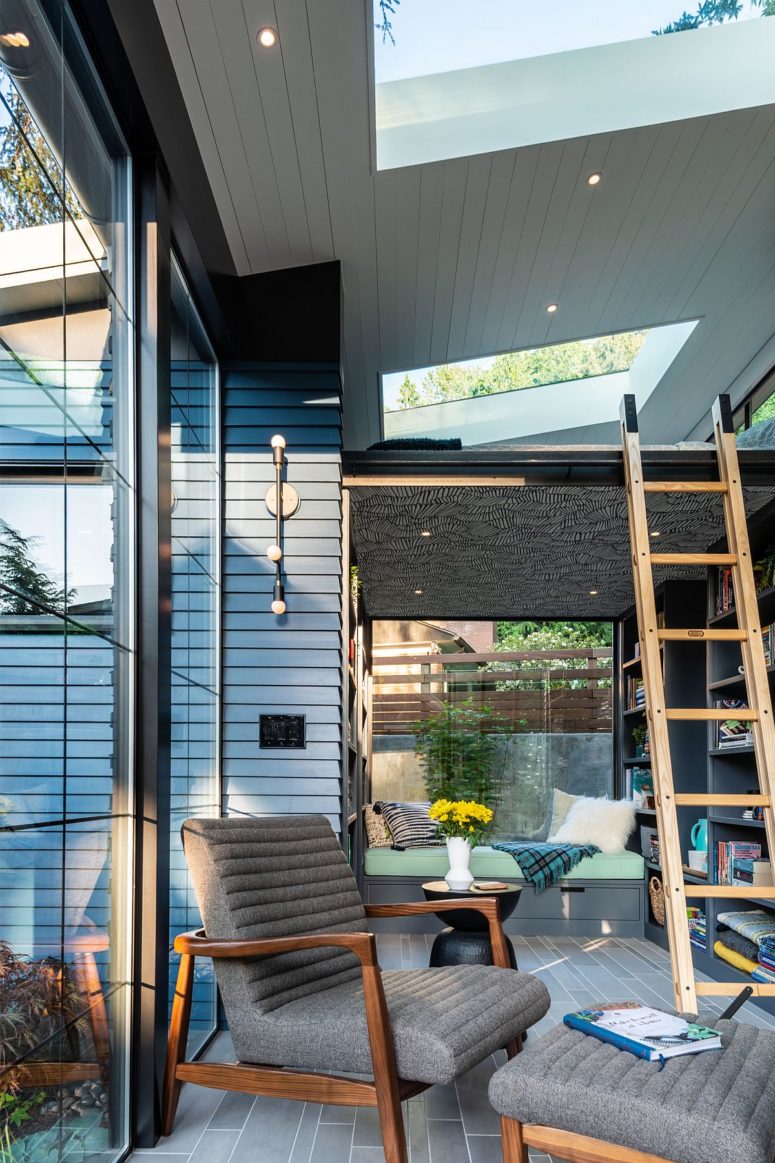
pixel 529 531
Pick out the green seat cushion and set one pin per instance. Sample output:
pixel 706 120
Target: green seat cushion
pixel 430 863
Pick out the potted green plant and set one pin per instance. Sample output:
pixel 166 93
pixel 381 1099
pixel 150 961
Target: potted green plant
pixel 459 749
pixel 639 734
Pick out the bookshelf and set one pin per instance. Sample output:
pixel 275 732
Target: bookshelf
pixel 356 712
pixel 700 675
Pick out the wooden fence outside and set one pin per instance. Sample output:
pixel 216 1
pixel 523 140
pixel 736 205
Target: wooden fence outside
pixel 548 691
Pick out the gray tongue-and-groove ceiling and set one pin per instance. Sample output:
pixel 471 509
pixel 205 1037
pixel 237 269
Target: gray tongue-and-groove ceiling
pixel 458 259
pixel 518 552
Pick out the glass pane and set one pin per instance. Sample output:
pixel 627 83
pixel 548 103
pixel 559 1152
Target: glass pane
pixel 195 605
pixel 66 606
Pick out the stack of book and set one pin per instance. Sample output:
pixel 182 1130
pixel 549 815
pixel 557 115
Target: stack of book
pixel 654 848
pixel 635 694
pixel 728 855
pixel 768 641
pixel 698 933
pixel 755 813
pixel 725 598
pixel 733 732
pixel 751 871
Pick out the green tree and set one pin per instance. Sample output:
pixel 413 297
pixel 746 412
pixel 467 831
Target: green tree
pixel 549 637
pixel 32 185
pixel 713 12
pixel 524 369
pixel 24 587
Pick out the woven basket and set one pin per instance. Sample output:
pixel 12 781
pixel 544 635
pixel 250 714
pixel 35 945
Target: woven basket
pixel 657 898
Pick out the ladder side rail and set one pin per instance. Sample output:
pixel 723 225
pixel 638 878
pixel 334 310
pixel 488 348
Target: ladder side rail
pixel 661 762
pixel 747 608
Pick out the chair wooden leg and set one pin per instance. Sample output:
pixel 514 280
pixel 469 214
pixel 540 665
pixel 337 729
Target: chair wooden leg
pixel 384 1065
pixel 176 1043
pixel 514 1145
pixel 88 978
pixel 514 1047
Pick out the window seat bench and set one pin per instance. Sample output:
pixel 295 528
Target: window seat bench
pixel 603 895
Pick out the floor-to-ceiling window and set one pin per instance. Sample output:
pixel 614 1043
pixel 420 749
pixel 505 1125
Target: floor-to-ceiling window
pixel 66 598
pixel 195 789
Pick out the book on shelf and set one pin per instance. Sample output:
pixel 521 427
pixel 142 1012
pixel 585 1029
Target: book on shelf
pixel 635 694
pixel 698 932
pixel 733 732
pixel 725 597
pixel 754 871
pixel 768 634
pixel 725 855
pixel 643 1031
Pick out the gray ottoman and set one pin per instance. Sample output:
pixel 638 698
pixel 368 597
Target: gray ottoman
pixel 579 1099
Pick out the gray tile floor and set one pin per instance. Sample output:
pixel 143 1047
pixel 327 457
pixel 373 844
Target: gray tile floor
pixel 446 1124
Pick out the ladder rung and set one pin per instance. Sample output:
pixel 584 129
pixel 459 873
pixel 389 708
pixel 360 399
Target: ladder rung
pixel 732 988
pixel 693 559
pixel 711 714
pixel 738 891
pixel 684 487
pixel 706 800
pixel 701 635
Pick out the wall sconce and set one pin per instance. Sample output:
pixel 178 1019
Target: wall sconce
pixel 282 501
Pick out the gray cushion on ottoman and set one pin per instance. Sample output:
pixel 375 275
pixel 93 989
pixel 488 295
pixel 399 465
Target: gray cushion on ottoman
pixel 713 1107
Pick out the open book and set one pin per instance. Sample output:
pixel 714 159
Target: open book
pixel 649 1033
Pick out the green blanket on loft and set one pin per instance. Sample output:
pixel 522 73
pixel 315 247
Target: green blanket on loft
pixel 543 865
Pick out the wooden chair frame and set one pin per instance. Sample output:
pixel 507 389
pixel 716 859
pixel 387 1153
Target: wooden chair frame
pixel 387 1090
pixel 517 1137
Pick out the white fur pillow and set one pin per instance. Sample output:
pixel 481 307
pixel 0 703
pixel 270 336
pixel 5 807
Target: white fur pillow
pixel 605 823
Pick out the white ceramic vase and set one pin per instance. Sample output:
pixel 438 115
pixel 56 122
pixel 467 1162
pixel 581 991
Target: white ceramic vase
pixel 459 876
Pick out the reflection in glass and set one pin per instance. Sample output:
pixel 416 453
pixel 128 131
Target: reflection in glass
pixel 195 787
pixel 66 504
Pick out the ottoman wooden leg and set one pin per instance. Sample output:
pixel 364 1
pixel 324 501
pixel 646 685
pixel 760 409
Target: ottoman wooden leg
pixel 514 1145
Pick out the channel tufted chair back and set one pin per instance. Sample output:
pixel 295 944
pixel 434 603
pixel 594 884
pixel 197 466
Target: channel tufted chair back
pixel 274 877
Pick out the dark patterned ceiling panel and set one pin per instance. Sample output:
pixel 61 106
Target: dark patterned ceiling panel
pixel 527 552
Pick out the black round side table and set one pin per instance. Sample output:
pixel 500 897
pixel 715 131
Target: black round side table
pixel 467 942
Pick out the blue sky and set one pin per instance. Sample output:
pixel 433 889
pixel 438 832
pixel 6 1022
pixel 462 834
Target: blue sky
pixel 433 36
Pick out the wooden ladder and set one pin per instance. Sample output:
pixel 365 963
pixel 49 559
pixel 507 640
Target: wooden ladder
pixel 748 634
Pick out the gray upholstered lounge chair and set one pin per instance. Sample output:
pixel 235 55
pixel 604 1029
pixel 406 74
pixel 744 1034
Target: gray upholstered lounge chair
pixel 302 988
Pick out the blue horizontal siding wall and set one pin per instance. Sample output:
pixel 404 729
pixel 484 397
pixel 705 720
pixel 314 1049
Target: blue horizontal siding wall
pixel 291 664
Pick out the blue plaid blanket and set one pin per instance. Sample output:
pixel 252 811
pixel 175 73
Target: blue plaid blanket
pixel 542 865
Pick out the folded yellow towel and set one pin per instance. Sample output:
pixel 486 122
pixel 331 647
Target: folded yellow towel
pixel 744 964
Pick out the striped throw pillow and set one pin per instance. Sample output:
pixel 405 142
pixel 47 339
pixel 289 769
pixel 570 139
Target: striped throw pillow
pixel 410 825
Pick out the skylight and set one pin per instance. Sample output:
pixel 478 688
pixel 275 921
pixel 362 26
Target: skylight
pixel 534 393
pixel 454 79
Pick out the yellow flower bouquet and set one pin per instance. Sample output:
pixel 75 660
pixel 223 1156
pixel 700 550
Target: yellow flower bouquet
pixel 462 819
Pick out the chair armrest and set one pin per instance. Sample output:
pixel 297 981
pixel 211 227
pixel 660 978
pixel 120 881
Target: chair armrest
pixel 488 905
pixel 196 944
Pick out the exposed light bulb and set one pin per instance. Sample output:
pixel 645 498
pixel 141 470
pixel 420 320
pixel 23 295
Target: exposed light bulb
pixel 278 607
pixel 277 441
pixel 274 553
pixel 594 179
pixel 267 37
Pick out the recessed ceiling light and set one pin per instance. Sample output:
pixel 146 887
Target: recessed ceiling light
pixel 418 591
pixel 425 533
pixel 551 308
pixel 655 533
pixel 15 39
pixel 593 592
pixel 594 179
pixel 267 37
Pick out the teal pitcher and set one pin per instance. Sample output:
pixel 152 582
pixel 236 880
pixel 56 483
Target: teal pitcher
pixel 700 836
